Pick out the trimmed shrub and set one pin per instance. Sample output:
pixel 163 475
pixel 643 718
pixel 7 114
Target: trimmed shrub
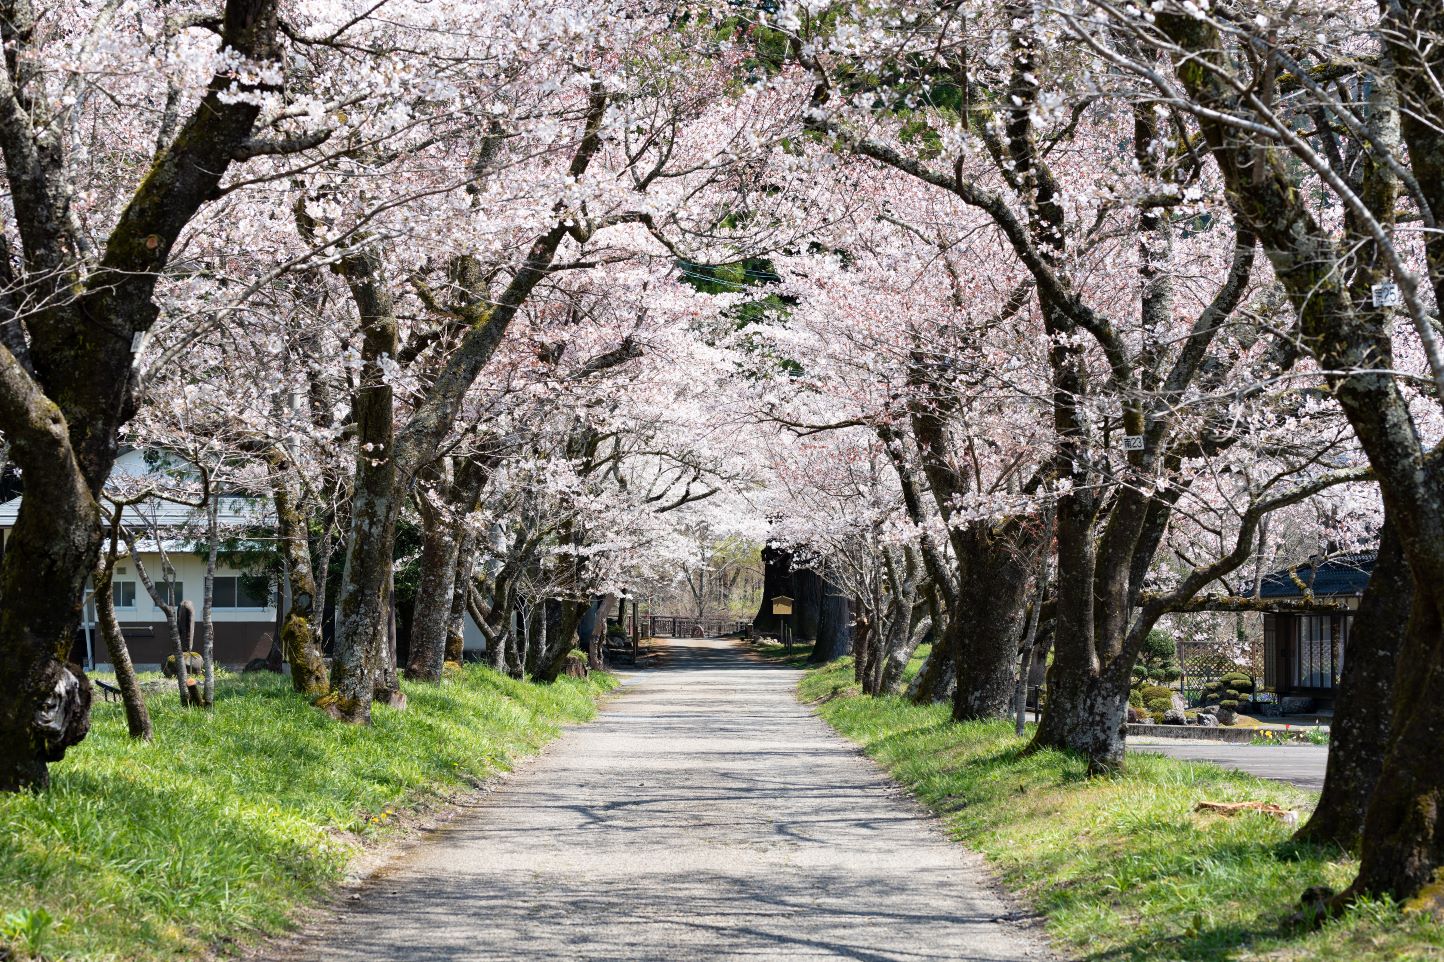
pixel 1150 692
pixel 1230 704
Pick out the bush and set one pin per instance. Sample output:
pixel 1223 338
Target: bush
pixel 1159 705
pixel 1135 698
pixel 1229 703
pixel 1150 692
pixel 1231 694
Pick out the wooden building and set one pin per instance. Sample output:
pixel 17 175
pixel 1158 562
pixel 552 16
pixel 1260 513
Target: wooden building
pixel 1304 649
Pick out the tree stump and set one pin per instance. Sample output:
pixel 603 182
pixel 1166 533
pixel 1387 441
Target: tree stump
pixel 576 666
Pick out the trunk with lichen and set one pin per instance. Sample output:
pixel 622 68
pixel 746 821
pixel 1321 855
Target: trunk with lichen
pixel 300 626
pixel 359 665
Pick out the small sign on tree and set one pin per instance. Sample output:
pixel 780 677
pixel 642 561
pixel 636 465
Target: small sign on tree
pixel 1133 442
pixel 1386 294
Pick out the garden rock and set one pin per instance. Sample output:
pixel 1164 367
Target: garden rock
pixel 195 665
pixel 1175 716
pixel 1179 702
pixel 1207 720
pixel 1226 716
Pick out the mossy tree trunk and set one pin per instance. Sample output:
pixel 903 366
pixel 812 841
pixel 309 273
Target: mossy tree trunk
pixel 300 625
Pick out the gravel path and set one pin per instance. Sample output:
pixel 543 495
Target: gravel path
pixel 1301 765
pixel 704 815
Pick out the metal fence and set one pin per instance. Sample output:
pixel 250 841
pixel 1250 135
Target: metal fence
pixel 681 626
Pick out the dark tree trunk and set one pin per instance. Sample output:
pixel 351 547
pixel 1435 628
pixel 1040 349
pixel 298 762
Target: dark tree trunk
pixel 992 596
pixel 834 624
pixel 552 660
pixel 1362 716
pixel 776 580
pixel 808 589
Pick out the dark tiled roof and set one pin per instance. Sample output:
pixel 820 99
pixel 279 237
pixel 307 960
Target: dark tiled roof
pixel 1343 575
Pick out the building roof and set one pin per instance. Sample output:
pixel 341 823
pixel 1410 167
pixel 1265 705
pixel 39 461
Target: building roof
pixel 1340 576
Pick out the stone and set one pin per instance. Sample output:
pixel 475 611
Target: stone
pixel 1226 716
pixel 1210 710
pixel 1137 716
pixel 1295 705
pixel 195 665
pixel 1175 716
pixel 1207 720
pixel 1179 701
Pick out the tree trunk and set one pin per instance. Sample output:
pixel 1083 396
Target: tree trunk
pixel 938 675
pixel 361 604
pixel 300 633
pixel 834 624
pixel 776 580
pixel 461 582
pixel 67 446
pixel 54 545
pixel 208 591
pixel 899 655
pixel 434 594
pixel 1362 715
pixel 137 717
pixel 992 594
pixel 551 661
pixel 808 588
pixel 1087 691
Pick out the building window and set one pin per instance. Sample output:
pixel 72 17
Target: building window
pixel 123 593
pixel 1314 666
pixel 170 592
pixel 231 591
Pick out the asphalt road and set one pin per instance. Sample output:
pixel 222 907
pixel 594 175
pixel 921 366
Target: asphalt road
pixel 1303 765
pixel 704 815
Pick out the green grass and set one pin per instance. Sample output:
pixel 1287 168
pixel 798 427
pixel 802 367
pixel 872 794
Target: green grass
pixel 232 818
pixel 1122 867
pixel 774 651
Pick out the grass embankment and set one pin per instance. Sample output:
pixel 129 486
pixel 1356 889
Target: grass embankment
pixel 1122 867
pixel 232 818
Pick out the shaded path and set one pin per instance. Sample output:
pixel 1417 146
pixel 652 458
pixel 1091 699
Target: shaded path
pixel 704 815
pixel 1301 765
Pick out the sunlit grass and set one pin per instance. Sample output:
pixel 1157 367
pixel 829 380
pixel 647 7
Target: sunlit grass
pixel 1122 867
pixel 233 817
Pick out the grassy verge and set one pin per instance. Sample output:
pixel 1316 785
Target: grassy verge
pixel 232 818
pixel 774 651
pixel 1123 867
